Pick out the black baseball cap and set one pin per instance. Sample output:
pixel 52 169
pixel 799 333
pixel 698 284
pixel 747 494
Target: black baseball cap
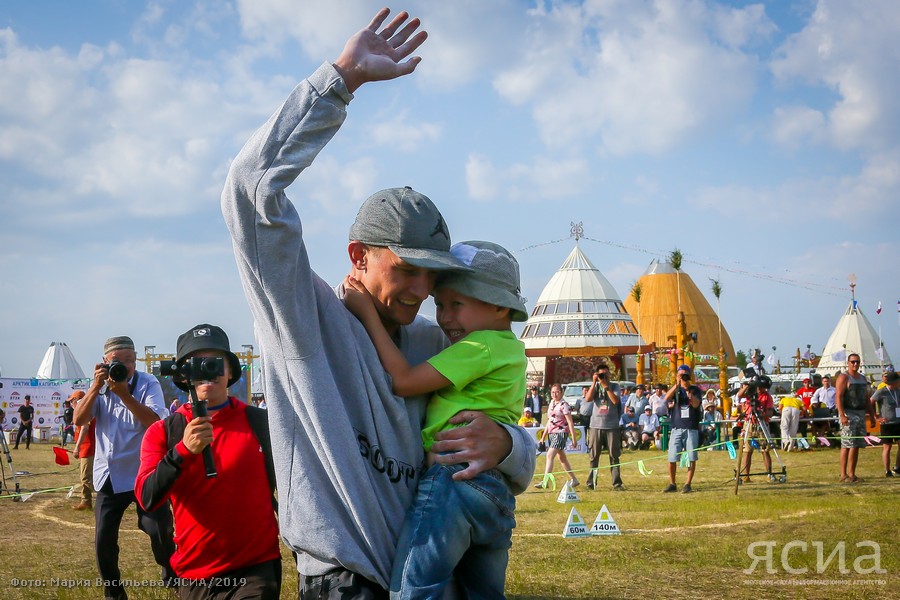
pixel 206 337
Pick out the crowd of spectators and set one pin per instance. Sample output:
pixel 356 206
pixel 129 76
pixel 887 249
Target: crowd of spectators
pixel 809 413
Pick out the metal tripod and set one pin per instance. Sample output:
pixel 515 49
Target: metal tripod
pixel 752 425
pixel 4 484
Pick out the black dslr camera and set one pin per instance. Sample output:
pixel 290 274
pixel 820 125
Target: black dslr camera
pixel 196 368
pixel 117 371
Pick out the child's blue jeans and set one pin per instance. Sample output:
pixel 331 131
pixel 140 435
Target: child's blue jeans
pixel 455 529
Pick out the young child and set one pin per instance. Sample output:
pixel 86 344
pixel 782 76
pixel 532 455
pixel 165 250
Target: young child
pixel 527 419
pixel 459 528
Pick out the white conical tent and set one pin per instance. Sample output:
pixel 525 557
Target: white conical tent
pixel 59 363
pixel 854 334
pixel 579 308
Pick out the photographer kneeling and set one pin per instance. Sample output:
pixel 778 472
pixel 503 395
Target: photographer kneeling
pixel 757 406
pixel 234 480
pixel 683 400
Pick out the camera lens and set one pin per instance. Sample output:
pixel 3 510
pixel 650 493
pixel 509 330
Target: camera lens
pixel 208 368
pixel 118 371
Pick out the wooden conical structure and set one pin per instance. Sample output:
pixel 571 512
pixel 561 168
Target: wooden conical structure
pixel 659 312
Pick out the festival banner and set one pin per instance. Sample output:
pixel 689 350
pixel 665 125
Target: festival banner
pixel 47 397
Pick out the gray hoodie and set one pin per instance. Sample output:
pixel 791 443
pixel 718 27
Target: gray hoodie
pixel 348 453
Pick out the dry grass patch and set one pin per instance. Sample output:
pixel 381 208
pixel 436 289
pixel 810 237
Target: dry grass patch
pixel 673 545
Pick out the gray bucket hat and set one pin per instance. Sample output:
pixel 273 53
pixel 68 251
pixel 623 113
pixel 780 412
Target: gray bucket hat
pixel 493 278
pixel 409 224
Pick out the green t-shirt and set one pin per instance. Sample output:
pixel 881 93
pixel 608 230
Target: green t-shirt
pixel 487 372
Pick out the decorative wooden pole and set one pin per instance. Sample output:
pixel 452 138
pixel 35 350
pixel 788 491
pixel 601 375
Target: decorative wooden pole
pixel 636 294
pixel 723 384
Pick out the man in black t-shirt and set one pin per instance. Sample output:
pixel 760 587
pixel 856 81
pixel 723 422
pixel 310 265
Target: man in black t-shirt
pixel 26 418
pixel 68 429
pixel 683 401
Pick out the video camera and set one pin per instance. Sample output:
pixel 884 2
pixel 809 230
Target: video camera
pixel 754 383
pixel 196 368
pixel 192 371
pixel 116 370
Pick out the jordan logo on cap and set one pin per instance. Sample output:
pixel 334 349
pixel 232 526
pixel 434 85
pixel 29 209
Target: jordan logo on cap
pixel 440 227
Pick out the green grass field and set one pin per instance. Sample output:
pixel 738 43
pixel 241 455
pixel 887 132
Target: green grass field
pixel 672 545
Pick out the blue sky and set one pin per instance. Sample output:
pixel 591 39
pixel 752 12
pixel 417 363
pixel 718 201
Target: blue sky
pixel 759 138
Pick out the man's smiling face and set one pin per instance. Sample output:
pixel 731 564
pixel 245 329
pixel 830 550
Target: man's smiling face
pixel 397 288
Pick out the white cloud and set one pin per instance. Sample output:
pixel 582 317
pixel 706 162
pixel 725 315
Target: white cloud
pixel 850 48
pixel 482 179
pixel 171 295
pixel 864 195
pixel 319 26
pixel 829 262
pixel 399 133
pixel 466 38
pixel 795 126
pixel 637 76
pixel 145 135
pixel 338 188
pixel 546 179
pixel 47 89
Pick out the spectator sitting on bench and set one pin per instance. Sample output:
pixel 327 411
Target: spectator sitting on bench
pixel 818 410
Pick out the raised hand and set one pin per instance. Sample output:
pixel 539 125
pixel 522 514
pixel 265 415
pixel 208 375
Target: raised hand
pixel 371 55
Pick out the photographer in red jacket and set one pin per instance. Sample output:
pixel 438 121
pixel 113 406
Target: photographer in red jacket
pixel 214 554
pixel 757 407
